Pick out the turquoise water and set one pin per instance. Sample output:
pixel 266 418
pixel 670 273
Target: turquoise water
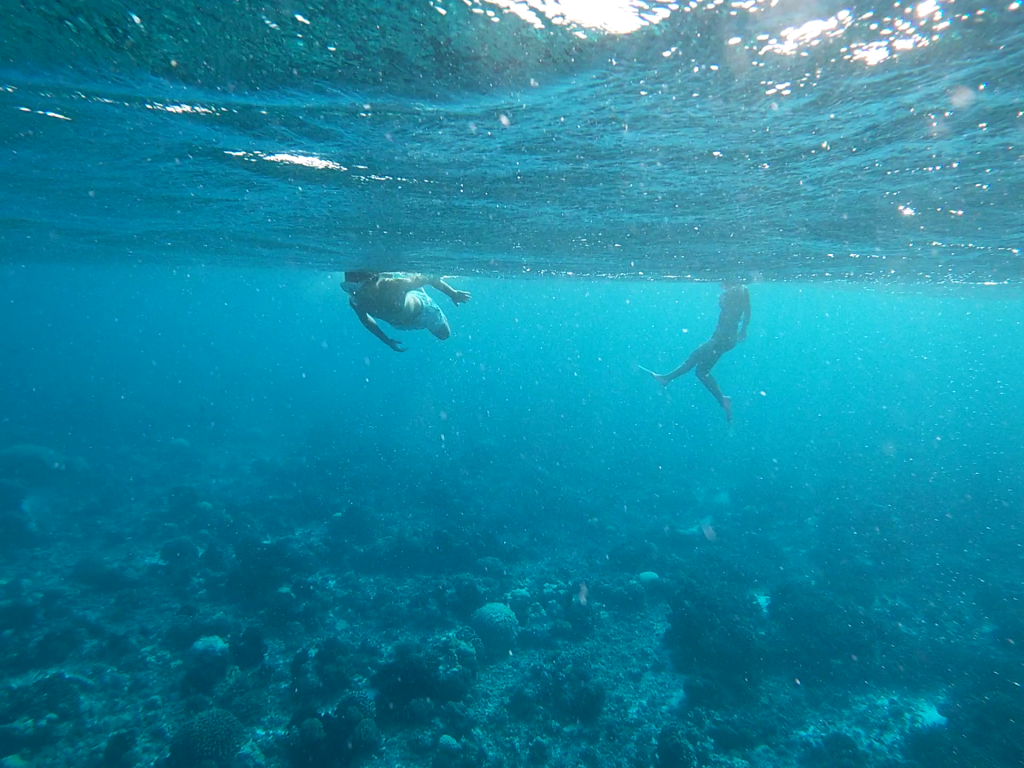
pixel 237 530
pixel 762 140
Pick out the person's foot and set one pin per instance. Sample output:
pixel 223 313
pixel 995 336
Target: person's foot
pixel 727 407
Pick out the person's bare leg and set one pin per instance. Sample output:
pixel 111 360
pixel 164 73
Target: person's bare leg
pixel 682 370
pixel 704 374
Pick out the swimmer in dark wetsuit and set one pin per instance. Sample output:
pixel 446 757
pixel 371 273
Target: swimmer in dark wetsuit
pixel 735 306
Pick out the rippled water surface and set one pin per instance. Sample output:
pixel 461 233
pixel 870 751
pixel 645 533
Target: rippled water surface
pixel 787 139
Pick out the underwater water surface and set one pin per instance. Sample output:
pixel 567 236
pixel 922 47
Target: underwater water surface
pixel 237 530
pixel 771 139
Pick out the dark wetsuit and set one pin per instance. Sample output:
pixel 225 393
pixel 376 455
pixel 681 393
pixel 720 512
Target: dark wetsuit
pixel 735 307
pixel 735 310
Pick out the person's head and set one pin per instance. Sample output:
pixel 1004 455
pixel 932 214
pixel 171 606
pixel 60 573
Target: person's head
pixel 359 276
pixel 355 279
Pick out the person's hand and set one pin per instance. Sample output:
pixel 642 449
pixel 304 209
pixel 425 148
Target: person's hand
pixel 396 345
pixel 460 297
pixel 742 336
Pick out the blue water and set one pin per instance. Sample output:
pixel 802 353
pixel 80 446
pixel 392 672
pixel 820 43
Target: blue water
pixel 237 530
pixel 739 139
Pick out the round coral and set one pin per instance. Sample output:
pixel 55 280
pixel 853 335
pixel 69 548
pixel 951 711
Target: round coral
pixel 497 627
pixel 214 736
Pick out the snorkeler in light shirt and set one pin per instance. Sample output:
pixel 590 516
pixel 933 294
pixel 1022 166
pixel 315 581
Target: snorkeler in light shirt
pixel 400 301
pixel 735 309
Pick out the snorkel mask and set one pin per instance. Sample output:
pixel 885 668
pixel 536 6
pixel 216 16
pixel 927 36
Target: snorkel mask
pixel 354 281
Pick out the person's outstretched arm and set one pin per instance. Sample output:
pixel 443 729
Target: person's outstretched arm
pixel 411 282
pixel 371 325
pixel 417 281
pixel 457 297
pixel 746 315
